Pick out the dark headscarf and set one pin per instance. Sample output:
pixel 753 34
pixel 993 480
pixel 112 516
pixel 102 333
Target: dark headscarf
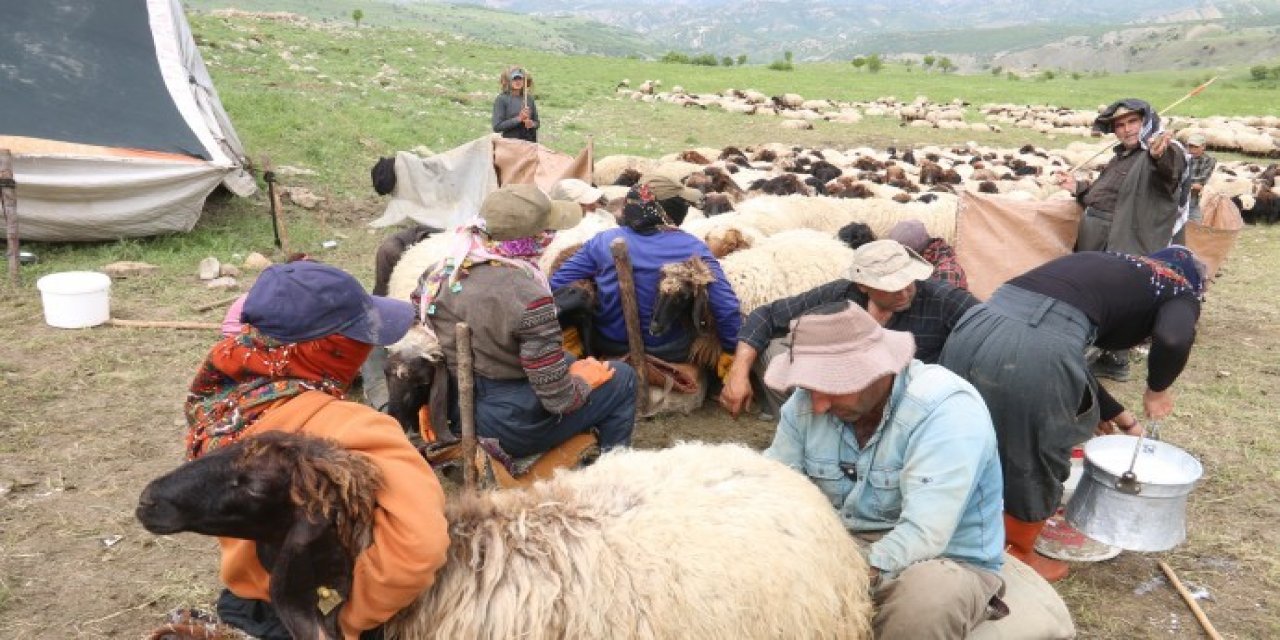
pixel 641 211
pixel 1104 123
pixel 1182 261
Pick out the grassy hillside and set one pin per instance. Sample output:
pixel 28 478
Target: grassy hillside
pixel 564 34
pixel 333 98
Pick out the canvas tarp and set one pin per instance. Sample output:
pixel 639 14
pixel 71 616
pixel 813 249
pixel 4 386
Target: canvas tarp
pixel 446 189
pixel 998 237
pixel 112 118
pixel 1213 238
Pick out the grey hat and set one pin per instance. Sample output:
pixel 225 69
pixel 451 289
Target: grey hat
pixel 887 265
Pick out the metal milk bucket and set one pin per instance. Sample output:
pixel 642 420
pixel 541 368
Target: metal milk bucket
pixel 1153 519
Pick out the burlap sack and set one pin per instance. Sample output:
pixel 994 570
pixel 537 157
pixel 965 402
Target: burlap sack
pixel 998 237
pixel 1213 238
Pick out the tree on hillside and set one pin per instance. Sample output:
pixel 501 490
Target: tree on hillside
pixel 726 61
pixel 858 62
pixel 742 59
pixel 945 64
pixel 927 62
pixel 786 55
pixel 357 15
pixel 1258 72
pixel 874 63
pixel 909 63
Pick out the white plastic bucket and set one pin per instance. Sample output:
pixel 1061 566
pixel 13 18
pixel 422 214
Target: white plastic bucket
pixel 75 299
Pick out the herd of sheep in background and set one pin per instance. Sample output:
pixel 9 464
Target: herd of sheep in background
pixel 1257 136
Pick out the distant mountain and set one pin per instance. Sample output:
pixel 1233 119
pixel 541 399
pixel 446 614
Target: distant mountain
pixel 840 29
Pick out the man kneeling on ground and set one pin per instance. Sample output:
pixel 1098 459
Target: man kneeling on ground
pixel 907 455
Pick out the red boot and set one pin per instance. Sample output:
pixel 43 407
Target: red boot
pixel 1020 540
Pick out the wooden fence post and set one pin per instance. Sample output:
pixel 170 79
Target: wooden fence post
pixel 9 204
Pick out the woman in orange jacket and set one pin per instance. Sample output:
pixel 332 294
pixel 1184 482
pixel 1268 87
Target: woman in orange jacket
pixel 307 329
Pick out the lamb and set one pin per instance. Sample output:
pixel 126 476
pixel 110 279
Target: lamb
pixel 642 544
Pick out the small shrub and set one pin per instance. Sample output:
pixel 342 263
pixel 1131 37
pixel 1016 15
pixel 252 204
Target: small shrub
pixel 781 65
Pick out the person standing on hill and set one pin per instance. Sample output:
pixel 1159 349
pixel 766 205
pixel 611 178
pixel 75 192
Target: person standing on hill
pixel 1134 205
pixel 514 113
pixel 1200 169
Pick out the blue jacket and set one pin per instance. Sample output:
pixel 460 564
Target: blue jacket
pixel 648 254
pixel 929 476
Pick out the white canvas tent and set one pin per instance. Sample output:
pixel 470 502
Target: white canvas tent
pixel 112 118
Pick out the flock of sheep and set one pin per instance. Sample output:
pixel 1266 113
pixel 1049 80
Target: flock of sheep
pixel 1257 136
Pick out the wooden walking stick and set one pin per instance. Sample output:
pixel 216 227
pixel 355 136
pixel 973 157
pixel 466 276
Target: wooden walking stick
pixel 165 324
pixel 1194 92
pixel 466 404
pixel 1191 601
pixel 277 220
pixel 631 314
pixel 9 203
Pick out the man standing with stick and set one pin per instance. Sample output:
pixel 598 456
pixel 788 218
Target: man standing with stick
pixel 1133 206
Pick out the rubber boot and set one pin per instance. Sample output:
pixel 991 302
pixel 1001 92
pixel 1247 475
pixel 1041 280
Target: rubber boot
pixel 1020 540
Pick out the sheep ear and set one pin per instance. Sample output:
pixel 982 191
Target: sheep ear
pixel 311 579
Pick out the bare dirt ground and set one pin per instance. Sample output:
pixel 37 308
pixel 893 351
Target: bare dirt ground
pixel 88 417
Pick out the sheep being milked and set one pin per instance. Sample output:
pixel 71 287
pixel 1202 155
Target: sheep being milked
pixel 695 541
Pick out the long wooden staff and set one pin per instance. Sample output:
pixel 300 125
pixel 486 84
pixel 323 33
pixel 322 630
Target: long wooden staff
pixel 466 404
pixel 1194 92
pixel 631 316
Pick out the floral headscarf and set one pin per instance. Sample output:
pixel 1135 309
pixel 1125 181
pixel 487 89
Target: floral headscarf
pixel 1174 268
pixel 471 246
pixel 641 211
pixel 245 374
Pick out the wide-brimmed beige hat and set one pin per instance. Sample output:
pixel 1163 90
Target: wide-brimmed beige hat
pixel 839 353
pixel 523 210
pixel 575 190
pixel 887 265
pixel 1195 140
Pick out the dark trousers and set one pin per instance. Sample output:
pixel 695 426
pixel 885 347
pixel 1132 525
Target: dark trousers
pixel 511 412
pixel 391 249
pixel 1024 352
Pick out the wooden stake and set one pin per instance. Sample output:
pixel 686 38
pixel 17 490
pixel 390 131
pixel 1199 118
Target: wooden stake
pixel 9 204
pixel 165 324
pixel 1191 601
pixel 277 217
pixel 466 404
pixel 631 314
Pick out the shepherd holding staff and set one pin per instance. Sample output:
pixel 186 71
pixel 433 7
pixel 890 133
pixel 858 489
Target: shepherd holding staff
pixel 514 113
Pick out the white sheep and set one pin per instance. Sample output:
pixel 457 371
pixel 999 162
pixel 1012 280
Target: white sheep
pixel 694 541
pixel 784 265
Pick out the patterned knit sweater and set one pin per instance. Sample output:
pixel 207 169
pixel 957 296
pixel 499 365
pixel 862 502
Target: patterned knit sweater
pixel 514 333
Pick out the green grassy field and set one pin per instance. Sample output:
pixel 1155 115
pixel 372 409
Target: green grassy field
pixel 88 416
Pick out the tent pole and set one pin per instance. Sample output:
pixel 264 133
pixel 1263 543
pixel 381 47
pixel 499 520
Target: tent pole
pixel 9 203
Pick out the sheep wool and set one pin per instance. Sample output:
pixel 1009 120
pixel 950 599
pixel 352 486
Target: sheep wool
pixel 695 541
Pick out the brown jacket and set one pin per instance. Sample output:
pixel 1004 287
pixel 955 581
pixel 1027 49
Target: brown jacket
pixel 410 535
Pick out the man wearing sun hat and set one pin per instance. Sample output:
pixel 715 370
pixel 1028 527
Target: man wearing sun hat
pixel 887 279
pixel 906 453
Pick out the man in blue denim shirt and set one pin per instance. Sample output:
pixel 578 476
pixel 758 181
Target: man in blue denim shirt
pixel 906 453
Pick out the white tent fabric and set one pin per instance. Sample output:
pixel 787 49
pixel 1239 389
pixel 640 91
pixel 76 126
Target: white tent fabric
pixel 70 190
pixel 443 190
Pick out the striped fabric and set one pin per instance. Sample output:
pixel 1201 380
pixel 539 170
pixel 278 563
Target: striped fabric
pixel 543 359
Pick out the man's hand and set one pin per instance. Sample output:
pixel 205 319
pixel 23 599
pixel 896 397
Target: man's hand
pixel 1196 187
pixel 874 574
pixel 1159 144
pixel 1125 423
pixel 594 372
pixel 736 394
pixel 1066 181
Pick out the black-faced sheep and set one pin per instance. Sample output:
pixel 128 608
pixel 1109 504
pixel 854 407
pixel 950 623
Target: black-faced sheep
pixel 695 541
pixel 628 178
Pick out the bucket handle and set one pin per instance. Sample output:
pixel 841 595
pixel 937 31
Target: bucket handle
pixel 1128 481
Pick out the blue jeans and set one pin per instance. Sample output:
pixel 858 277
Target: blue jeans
pixel 510 411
